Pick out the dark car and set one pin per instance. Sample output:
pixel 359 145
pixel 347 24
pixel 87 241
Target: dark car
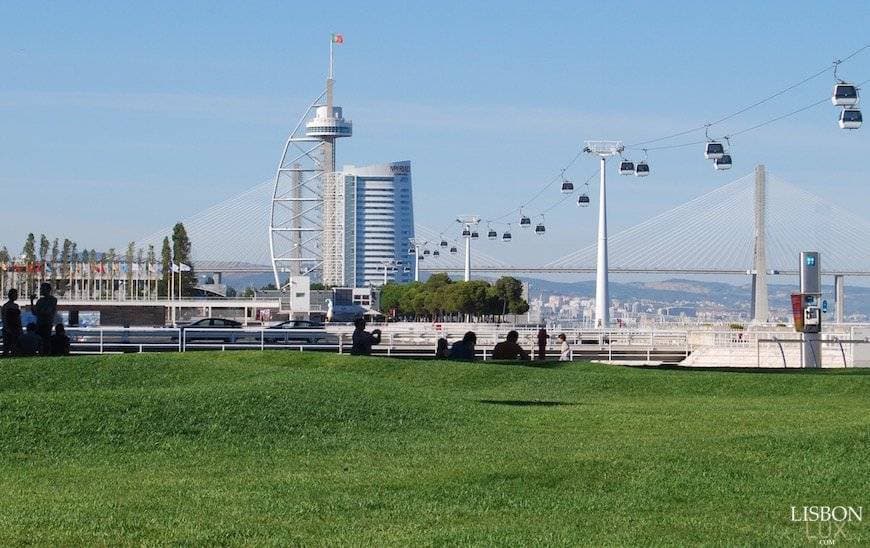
pixel 196 331
pixel 295 331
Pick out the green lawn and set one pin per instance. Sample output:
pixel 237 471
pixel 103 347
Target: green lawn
pixel 302 448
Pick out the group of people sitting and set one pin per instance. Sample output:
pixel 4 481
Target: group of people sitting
pixel 37 338
pixel 508 349
pixel 464 350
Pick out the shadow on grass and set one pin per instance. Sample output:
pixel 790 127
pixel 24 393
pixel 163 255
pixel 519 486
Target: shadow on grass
pixel 762 370
pixel 527 403
pixel 537 364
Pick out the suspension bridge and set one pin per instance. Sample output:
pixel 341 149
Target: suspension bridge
pixel 711 234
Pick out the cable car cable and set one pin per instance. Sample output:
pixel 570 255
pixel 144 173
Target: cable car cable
pixel 753 105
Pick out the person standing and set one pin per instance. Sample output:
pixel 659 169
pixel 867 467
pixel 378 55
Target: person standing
pixel 362 339
pixel 564 348
pixel 45 310
pixel 542 343
pixel 11 314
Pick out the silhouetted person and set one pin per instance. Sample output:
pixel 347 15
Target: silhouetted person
pixel 464 349
pixel 30 343
pixel 441 349
pixel 509 349
pixel 59 345
pixel 362 339
pixel 11 315
pixel 564 348
pixel 45 310
pixel 542 343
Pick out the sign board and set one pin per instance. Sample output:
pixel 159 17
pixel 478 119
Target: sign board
pixel 797 311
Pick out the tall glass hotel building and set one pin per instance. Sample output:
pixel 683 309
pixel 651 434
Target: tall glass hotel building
pixel 378 222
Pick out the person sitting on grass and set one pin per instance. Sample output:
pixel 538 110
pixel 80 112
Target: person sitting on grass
pixel 30 343
pixel 509 349
pixel 441 349
pixel 464 350
pixel 59 343
pixel 363 340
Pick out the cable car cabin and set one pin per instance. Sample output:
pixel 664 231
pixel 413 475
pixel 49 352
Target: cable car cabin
pixel 845 95
pixel 567 187
pixel 525 222
pixel 722 163
pixel 436 253
pixel 406 269
pixel 426 252
pixel 713 150
pixel 466 232
pixel 583 200
pixel 453 250
pixel 420 257
pixel 540 229
pixel 492 234
pixel 626 167
pixel 443 243
pixel 850 118
pixel 506 237
pixel 474 235
pixel 411 251
pixel 641 169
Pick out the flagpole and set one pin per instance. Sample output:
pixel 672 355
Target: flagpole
pixel 331 58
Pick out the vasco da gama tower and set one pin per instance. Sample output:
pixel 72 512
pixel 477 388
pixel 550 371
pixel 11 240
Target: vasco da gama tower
pixel 347 226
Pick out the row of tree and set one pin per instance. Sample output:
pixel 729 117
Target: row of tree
pixel 442 299
pixel 51 261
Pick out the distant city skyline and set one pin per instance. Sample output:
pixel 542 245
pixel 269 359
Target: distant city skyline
pixel 119 120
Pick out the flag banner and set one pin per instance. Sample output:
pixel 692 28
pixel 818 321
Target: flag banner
pixel 338 39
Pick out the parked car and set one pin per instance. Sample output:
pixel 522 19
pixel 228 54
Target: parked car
pixel 196 331
pixel 295 331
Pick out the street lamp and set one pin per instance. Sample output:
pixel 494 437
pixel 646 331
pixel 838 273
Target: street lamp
pixel 603 149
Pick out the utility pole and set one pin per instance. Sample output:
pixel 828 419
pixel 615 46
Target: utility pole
pixel 469 232
pixel 603 149
pixel 417 245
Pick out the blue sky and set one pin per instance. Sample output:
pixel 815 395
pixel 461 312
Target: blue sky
pixel 118 119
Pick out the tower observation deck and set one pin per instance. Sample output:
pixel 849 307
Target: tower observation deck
pixel 306 228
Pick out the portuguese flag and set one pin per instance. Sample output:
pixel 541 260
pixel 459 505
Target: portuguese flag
pixel 338 39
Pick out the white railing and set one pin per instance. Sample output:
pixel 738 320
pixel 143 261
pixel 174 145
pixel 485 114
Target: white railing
pixel 603 344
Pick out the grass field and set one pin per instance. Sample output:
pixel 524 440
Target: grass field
pixel 291 448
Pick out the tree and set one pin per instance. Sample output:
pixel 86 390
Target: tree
pixel 65 258
pixel 391 297
pixel 44 247
pixel 166 263
pixel 4 260
pixel 55 255
pixel 129 258
pixel 29 252
pixel 181 255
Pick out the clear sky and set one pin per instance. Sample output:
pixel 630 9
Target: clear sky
pixel 120 118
